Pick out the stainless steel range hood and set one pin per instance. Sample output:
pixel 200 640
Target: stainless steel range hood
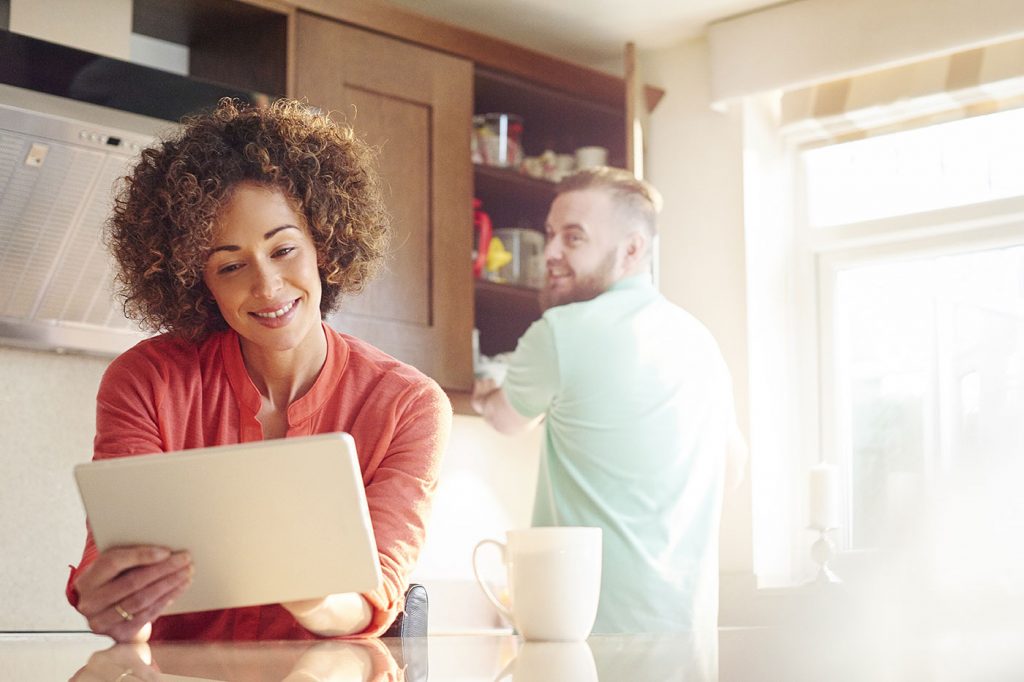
pixel 59 159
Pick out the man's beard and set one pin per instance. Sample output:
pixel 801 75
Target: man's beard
pixel 585 287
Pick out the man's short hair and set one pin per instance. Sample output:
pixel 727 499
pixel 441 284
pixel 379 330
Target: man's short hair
pixel 637 198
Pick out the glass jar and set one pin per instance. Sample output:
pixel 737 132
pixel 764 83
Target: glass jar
pixel 497 140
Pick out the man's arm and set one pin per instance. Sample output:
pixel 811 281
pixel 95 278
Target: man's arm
pixel 490 402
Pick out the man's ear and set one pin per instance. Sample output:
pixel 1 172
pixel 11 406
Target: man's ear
pixel 636 245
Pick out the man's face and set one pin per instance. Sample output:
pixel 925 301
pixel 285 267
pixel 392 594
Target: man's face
pixel 584 249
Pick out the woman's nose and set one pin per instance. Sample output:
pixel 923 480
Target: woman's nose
pixel 267 281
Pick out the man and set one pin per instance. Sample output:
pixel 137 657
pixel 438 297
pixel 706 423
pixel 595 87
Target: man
pixel 637 407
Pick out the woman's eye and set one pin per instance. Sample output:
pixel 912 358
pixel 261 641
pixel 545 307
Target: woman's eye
pixel 284 251
pixel 229 268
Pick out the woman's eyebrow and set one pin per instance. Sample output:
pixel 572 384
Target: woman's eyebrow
pixel 268 235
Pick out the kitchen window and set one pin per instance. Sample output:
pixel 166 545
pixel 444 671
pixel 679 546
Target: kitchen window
pixel 915 242
pixel 885 298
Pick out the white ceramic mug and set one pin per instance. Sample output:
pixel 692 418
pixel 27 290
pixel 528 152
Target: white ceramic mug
pixel 591 157
pixel 554 580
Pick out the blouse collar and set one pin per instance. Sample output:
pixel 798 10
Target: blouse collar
pixel 325 386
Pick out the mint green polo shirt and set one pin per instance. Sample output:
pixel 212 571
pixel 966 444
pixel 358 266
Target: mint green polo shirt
pixel 638 404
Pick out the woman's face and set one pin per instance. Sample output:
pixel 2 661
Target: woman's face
pixel 262 270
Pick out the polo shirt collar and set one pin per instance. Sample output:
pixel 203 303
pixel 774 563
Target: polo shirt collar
pixel 641 281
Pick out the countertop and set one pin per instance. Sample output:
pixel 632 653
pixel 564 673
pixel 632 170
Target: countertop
pixel 766 654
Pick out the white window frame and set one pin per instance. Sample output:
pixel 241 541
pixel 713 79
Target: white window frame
pixel 791 274
pixel 989 225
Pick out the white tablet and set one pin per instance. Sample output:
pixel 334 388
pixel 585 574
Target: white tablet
pixel 265 522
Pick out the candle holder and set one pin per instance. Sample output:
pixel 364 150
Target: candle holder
pixel 823 550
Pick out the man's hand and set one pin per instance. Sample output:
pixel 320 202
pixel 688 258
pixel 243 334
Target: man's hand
pixel 482 388
pixel 490 402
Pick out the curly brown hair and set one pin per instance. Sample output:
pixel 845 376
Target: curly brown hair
pixel 166 211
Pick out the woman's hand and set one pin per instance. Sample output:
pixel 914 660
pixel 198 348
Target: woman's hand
pixel 334 615
pixel 126 588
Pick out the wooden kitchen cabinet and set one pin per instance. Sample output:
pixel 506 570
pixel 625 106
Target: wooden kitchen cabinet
pixel 241 43
pixel 415 105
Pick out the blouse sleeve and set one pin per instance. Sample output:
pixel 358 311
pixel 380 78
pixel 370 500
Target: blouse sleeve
pixel 127 406
pixel 400 495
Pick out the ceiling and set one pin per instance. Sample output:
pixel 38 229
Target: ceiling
pixel 586 31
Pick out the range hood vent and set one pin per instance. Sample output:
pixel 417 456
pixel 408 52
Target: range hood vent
pixel 62 148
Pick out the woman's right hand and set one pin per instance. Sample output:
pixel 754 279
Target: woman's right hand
pixel 126 588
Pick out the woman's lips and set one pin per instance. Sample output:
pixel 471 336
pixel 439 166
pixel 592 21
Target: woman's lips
pixel 276 317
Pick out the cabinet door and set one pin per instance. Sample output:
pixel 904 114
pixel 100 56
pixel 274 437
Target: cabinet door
pixel 415 106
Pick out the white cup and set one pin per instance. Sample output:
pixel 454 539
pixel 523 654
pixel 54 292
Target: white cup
pixel 554 580
pixel 591 157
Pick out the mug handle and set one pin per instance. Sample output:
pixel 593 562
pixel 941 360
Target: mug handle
pixel 483 585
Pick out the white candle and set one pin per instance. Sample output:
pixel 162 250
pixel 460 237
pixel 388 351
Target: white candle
pixel 823 502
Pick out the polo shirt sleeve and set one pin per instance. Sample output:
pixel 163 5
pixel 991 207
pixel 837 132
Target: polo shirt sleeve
pixel 532 380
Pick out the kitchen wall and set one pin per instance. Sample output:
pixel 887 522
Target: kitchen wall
pixel 47 409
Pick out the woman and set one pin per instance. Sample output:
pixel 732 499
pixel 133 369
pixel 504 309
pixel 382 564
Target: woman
pixel 234 238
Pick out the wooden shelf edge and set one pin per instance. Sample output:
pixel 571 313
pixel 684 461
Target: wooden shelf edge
pixel 506 291
pixel 460 402
pixel 653 96
pixel 510 178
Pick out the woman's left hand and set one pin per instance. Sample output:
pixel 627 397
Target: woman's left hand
pixel 332 616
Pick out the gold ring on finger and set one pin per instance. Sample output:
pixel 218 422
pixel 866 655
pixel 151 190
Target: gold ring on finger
pixel 121 612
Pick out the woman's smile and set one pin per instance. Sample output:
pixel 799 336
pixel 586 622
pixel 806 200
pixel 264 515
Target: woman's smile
pixel 279 316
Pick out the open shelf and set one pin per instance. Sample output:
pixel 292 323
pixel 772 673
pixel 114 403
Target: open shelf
pixel 503 313
pixel 505 182
pixel 235 43
pixel 511 198
pixel 552 119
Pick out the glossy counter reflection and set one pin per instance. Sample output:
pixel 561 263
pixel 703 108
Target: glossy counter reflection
pixel 893 650
pixel 293 661
pixel 436 658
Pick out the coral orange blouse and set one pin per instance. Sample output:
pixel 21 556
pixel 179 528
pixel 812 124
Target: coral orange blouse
pixel 165 394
